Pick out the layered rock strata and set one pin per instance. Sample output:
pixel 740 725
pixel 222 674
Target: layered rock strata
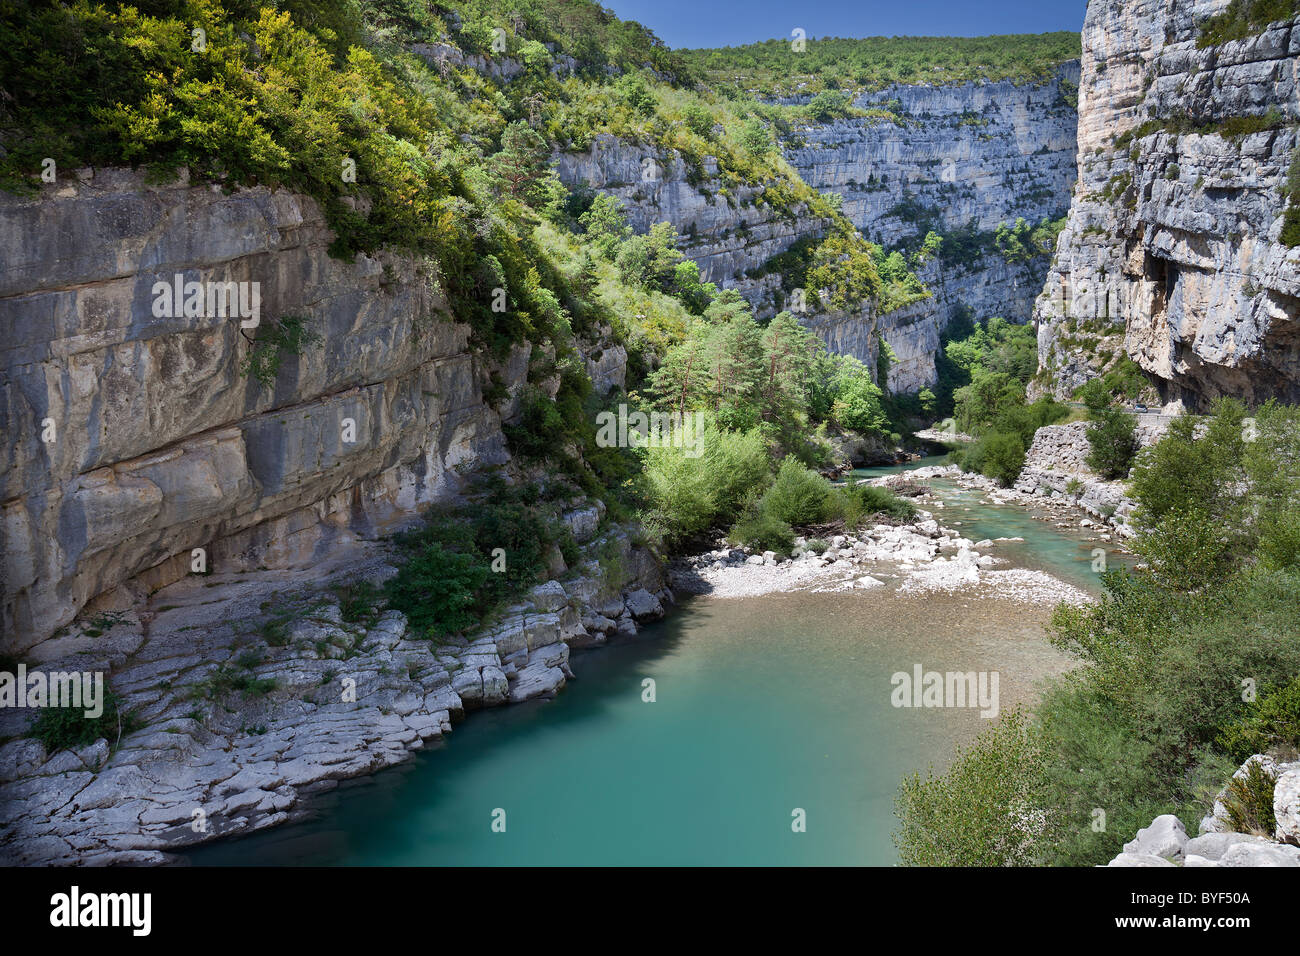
pixel 1172 253
pixel 139 442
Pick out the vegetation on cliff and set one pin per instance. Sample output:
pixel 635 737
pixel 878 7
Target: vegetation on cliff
pixel 1244 18
pixel 774 68
pixel 429 129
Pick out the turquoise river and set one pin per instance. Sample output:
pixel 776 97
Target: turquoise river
pixel 764 706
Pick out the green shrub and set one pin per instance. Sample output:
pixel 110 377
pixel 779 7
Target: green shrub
pixel 685 496
pixel 274 341
pixel 1249 801
pixel 798 496
pixel 1271 722
pixel 67 728
pixel 988 809
pixel 1094 394
pixel 1112 439
pixel 358 602
pixel 997 455
pixel 1243 18
pixel 226 679
pixel 1290 235
pixel 761 531
pixel 462 562
pixel 856 502
pixel 437 589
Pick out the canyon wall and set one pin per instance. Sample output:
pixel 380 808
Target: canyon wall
pixel 729 234
pixel 133 438
pixel 975 154
pixel 1172 253
pixel 980 154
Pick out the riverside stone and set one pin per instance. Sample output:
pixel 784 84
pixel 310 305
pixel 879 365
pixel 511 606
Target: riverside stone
pixel 643 605
pixel 1165 837
pixel 1286 805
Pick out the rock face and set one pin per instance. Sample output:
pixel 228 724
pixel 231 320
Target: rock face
pixel 987 286
pixel 727 233
pixel 1171 254
pixel 134 438
pixel 976 153
pixel 242 725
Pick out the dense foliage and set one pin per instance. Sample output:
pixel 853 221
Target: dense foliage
pixel 1112 441
pixel 462 562
pixel 997 358
pixel 775 68
pixel 1187 666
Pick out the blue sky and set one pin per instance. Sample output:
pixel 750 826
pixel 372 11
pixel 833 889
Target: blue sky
pixel 695 23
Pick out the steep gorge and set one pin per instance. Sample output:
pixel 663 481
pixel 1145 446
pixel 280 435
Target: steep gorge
pixel 967 157
pixel 975 155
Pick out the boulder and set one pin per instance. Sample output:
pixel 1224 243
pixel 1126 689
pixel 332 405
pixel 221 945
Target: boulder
pixel 549 596
pixel 643 605
pixel 1261 854
pixel 1139 859
pixel 1164 838
pixel 1212 846
pixel 1286 806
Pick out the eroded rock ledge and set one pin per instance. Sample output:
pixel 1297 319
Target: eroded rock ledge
pixel 246 719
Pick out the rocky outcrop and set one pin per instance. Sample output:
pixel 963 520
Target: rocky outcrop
pixel 259 695
pixel 1056 466
pixel 1166 843
pixel 1172 253
pixel 137 437
pixel 982 153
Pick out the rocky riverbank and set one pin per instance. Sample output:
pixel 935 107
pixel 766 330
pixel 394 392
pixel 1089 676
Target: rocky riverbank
pixel 255 693
pixel 916 556
pixel 1166 843
pixel 1063 509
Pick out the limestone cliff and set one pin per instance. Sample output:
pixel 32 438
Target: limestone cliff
pixel 135 439
pixel 980 154
pixel 976 154
pixel 1171 254
pixel 730 234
